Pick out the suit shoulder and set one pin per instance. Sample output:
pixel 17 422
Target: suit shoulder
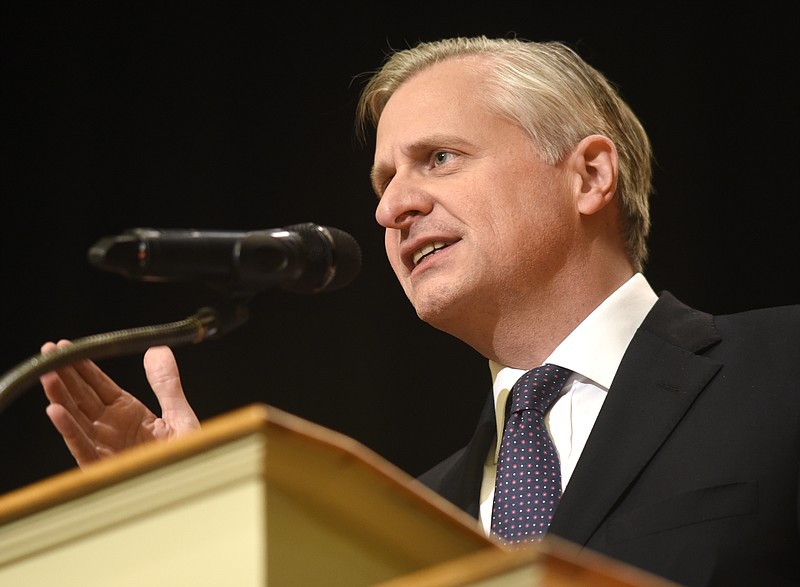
pixel 771 318
pixel 767 332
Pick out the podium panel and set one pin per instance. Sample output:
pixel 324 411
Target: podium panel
pixel 256 497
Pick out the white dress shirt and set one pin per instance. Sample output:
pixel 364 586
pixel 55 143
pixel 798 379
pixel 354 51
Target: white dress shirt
pixel 593 352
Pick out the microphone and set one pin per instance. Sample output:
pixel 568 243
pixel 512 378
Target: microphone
pixel 302 258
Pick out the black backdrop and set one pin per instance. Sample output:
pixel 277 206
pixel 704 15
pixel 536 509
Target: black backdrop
pixel 242 118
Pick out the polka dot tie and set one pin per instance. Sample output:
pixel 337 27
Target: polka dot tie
pixel 528 483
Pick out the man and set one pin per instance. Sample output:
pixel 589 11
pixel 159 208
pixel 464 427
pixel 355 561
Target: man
pixel 513 185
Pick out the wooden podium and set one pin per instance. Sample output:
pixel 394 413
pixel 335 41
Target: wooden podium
pixel 259 497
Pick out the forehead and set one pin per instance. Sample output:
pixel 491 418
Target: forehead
pixel 435 99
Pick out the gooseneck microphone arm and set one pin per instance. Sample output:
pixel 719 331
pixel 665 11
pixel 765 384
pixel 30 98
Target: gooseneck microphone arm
pixel 206 323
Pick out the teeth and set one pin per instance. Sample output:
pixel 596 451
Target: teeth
pixel 427 250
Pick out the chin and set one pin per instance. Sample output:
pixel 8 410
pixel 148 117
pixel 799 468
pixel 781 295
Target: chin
pixel 443 300
pixel 441 311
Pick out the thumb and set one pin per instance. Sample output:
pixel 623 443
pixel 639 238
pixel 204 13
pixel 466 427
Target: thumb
pixel 163 375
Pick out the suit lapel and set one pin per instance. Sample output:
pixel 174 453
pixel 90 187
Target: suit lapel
pixel 659 378
pixel 458 478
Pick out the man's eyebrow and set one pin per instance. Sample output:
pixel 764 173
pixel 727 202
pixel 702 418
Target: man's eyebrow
pixel 436 141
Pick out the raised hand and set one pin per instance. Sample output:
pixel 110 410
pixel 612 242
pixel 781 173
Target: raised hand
pixel 97 418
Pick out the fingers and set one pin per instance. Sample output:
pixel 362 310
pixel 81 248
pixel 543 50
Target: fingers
pixel 80 445
pixel 164 377
pixel 97 387
pixel 88 386
pixel 65 387
pixel 91 412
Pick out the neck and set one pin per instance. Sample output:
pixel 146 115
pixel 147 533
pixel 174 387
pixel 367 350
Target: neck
pixel 530 328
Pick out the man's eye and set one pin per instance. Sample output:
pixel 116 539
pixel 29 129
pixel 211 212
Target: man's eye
pixel 442 157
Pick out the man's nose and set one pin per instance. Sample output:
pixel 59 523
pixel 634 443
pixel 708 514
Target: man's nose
pixel 401 202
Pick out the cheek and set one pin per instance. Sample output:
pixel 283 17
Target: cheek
pixel 538 199
pixel 391 242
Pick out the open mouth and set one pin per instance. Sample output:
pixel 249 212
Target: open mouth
pixel 427 250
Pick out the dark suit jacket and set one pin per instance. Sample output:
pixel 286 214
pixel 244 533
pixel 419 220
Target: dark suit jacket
pixel 692 468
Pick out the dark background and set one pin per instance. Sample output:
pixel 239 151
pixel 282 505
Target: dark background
pixel 242 119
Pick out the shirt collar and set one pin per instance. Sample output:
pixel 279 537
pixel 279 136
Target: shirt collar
pixel 595 348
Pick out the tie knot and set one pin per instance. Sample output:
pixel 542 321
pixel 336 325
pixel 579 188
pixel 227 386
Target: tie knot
pixel 538 388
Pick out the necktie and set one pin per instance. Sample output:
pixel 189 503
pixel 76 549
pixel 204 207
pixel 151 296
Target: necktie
pixel 528 482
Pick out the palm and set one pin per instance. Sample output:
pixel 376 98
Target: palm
pixel 125 423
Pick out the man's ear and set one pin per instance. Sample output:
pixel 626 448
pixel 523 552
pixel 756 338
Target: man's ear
pixel 594 165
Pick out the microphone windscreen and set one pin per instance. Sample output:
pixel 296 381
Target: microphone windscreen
pixel 333 259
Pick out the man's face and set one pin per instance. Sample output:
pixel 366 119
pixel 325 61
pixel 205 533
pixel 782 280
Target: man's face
pixel 476 222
